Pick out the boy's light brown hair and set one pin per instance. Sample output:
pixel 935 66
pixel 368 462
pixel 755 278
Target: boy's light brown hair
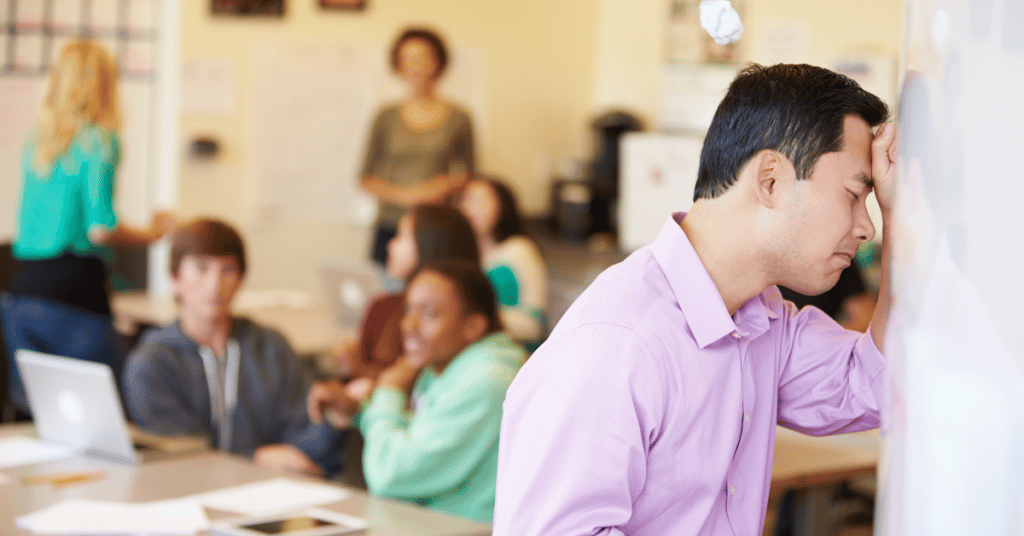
pixel 206 236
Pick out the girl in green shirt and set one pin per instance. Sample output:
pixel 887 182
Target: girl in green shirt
pixel 58 297
pixel 431 423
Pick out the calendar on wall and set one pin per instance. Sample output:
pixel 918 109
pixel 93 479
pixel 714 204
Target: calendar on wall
pixel 32 33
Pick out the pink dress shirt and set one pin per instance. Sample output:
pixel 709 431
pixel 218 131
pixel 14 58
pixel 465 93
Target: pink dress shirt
pixel 651 411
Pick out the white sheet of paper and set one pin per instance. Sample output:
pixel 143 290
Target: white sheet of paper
pixel 16 451
pixel 276 496
pixel 82 517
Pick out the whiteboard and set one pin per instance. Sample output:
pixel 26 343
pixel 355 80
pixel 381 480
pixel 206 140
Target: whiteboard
pixel 310 134
pixel 954 422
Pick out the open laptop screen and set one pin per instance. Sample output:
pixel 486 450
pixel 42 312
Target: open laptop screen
pixel 76 403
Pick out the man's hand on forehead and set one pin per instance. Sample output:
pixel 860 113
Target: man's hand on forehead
pixel 883 165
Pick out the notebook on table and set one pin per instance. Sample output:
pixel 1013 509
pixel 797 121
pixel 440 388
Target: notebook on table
pixel 75 403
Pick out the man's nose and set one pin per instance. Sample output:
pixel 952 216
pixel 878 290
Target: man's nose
pixel 864 228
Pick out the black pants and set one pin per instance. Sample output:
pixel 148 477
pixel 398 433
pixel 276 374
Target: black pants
pixel 382 234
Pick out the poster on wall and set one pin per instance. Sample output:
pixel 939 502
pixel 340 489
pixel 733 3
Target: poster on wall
pixel 269 8
pixel 686 41
pixel 354 5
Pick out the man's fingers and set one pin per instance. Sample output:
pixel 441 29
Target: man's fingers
pixel 883 152
pixel 883 142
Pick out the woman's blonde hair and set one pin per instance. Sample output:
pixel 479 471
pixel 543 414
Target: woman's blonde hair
pixel 82 91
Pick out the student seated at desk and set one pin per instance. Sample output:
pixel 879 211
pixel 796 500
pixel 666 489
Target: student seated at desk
pixel 440 450
pixel 426 234
pixel 511 260
pixel 213 374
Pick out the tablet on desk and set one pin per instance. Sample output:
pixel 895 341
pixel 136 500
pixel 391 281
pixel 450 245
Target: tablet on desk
pixel 309 522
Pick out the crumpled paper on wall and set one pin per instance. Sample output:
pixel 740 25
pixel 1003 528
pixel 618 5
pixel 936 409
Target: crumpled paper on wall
pixel 721 21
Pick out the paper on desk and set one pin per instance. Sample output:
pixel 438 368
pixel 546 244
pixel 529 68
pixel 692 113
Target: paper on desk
pixel 16 451
pixel 81 517
pixel 276 496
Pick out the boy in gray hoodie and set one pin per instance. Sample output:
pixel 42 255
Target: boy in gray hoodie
pixel 213 374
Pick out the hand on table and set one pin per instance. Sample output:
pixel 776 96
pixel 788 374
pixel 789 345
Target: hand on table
pixel 287 458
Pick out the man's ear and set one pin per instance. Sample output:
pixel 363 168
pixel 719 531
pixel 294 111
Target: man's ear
pixel 769 166
pixel 475 327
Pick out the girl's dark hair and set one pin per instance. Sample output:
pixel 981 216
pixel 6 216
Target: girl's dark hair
pixel 474 289
pixel 797 110
pixel 431 37
pixel 206 236
pixel 510 220
pixel 443 233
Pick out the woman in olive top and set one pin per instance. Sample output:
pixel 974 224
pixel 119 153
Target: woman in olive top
pixel 441 449
pixel 420 150
pixel 58 302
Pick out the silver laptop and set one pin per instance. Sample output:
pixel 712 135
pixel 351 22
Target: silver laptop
pixel 76 403
pixel 351 286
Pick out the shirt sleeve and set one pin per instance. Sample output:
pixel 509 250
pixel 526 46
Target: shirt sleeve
pixel 421 455
pixel 579 420
pixel 320 442
pixel 376 145
pixel 832 380
pixel 157 396
pixel 463 149
pixel 99 168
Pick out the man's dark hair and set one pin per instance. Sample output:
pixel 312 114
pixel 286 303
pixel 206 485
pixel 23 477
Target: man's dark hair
pixel 206 236
pixel 431 37
pixel 510 220
pixel 443 233
pixel 797 110
pixel 474 289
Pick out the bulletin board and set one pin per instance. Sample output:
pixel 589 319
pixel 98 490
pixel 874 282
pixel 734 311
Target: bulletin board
pixel 32 34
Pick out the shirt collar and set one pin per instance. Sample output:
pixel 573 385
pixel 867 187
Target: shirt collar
pixel 696 293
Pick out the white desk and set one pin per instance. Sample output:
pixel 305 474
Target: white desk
pixel 309 327
pixel 179 477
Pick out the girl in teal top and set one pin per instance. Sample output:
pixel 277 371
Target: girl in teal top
pixel 431 423
pixel 58 301
pixel 511 260
pixel 59 204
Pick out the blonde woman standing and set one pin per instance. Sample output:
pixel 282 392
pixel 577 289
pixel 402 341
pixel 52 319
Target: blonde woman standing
pixel 66 220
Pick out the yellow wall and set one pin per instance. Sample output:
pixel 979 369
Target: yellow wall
pixel 551 66
pixel 539 66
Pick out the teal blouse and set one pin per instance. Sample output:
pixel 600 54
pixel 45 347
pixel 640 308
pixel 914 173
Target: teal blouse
pixel 444 454
pixel 61 204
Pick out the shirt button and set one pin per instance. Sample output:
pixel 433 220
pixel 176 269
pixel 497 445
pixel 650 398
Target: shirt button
pixel 732 490
pixel 736 335
pixel 746 417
